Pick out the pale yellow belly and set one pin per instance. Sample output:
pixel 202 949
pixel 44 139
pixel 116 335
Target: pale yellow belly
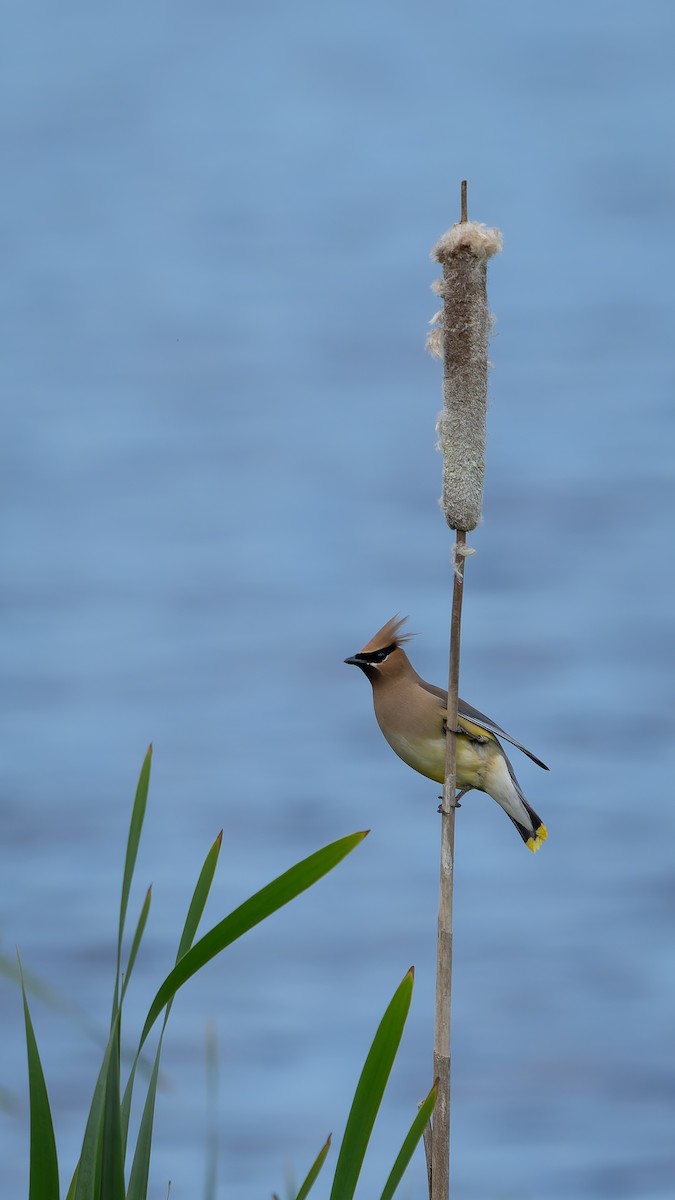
pixel 428 757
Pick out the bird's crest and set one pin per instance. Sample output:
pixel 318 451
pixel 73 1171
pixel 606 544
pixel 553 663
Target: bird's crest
pixel 388 636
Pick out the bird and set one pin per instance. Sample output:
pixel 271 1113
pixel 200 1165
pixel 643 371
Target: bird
pixel 412 715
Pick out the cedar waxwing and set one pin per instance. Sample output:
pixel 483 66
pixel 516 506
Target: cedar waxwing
pixel 412 716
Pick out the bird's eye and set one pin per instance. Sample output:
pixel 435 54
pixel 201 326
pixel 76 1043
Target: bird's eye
pixel 370 657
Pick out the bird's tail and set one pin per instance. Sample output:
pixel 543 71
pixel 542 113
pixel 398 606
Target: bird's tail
pixel 533 838
pixel 537 834
pixel 499 781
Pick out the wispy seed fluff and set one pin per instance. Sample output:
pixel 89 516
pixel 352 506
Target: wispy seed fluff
pixel 459 334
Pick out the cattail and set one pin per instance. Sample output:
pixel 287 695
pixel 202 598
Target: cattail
pixel 460 335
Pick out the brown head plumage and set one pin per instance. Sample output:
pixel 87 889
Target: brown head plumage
pixel 388 637
pixel 381 648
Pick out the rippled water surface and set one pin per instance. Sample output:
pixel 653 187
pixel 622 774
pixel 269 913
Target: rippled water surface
pixel 219 478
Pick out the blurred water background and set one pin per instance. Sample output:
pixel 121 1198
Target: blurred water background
pixel 219 479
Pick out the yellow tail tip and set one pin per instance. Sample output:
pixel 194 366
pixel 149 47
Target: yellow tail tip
pixel 538 837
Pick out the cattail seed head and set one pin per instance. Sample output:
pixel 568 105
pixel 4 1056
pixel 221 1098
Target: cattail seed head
pixel 460 335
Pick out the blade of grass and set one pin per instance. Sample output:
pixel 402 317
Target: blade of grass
pixel 44 1167
pixel 112 1155
pixel 194 916
pixel 410 1143
pixel 138 935
pixel 313 1172
pixel 133 840
pixel 140 1168
pixel 86 1180
pixel 254 910
pixel 73 1184
pixel 199 898
pixel 104 1124
pixel 369 1091
pixel 212 1122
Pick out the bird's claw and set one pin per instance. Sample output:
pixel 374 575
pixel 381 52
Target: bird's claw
pixel 457 803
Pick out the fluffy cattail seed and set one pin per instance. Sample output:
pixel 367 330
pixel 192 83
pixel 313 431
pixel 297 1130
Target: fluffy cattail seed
pixel 460 336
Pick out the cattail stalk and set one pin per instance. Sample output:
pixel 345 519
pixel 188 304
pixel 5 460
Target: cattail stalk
pixel 461 335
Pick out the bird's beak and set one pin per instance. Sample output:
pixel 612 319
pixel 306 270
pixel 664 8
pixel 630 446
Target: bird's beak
pixel 353 662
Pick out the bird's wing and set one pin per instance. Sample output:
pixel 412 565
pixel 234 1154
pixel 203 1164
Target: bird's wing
pixel 475 722
pixel 471 716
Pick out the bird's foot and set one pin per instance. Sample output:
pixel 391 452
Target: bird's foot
pixel 457 731
pixel 458 799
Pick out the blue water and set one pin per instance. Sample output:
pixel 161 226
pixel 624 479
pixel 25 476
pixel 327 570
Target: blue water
pixel 219 478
